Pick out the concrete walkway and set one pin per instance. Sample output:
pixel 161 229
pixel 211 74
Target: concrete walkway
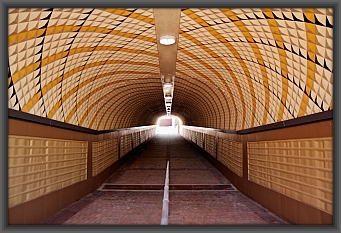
pixel 199 194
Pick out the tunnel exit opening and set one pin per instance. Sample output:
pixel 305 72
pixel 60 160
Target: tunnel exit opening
pixel 168 125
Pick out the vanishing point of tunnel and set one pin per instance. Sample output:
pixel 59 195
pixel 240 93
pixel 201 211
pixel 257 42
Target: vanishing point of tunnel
pixel 171 116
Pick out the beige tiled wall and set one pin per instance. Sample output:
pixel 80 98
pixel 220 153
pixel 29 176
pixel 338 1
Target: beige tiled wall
pixel 37 166
pixel 230 153
pixel 300 169
pixel 104 153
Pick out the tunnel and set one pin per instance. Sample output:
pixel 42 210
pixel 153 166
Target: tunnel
pixel 224 104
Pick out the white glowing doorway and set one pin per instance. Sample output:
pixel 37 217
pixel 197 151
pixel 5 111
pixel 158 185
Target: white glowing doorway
pixel 168 125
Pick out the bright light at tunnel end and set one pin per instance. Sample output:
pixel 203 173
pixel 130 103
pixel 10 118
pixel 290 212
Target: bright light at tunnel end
pixel 174 128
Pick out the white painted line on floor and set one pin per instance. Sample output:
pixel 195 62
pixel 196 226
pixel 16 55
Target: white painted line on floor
pixel 164 218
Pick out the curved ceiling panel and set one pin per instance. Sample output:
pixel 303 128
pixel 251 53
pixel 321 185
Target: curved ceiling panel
pixel 79 65
pixel 235 68
pixel 269 64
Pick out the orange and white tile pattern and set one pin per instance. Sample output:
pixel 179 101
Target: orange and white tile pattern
pixel 236 68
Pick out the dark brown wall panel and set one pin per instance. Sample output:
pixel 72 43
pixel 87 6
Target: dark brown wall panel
pixel 313 130
pixel 24 128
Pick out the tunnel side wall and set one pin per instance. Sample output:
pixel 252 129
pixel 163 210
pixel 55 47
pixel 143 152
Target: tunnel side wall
pixel 37 194
pixel 287 170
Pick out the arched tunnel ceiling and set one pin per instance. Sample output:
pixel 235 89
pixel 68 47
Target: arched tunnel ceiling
pixel 235 68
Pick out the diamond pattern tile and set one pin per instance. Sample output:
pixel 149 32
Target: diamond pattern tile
pixel 236 68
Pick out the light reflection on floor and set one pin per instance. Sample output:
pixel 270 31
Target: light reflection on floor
pixel 167 130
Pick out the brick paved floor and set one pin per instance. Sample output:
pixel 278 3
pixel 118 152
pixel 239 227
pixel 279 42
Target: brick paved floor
pixel 186 207
pixel 217 208
pixel 120 207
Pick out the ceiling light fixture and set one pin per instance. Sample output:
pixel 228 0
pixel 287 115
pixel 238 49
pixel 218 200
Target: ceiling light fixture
pixel 168 78
pixel 167 40
pixel 168 88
